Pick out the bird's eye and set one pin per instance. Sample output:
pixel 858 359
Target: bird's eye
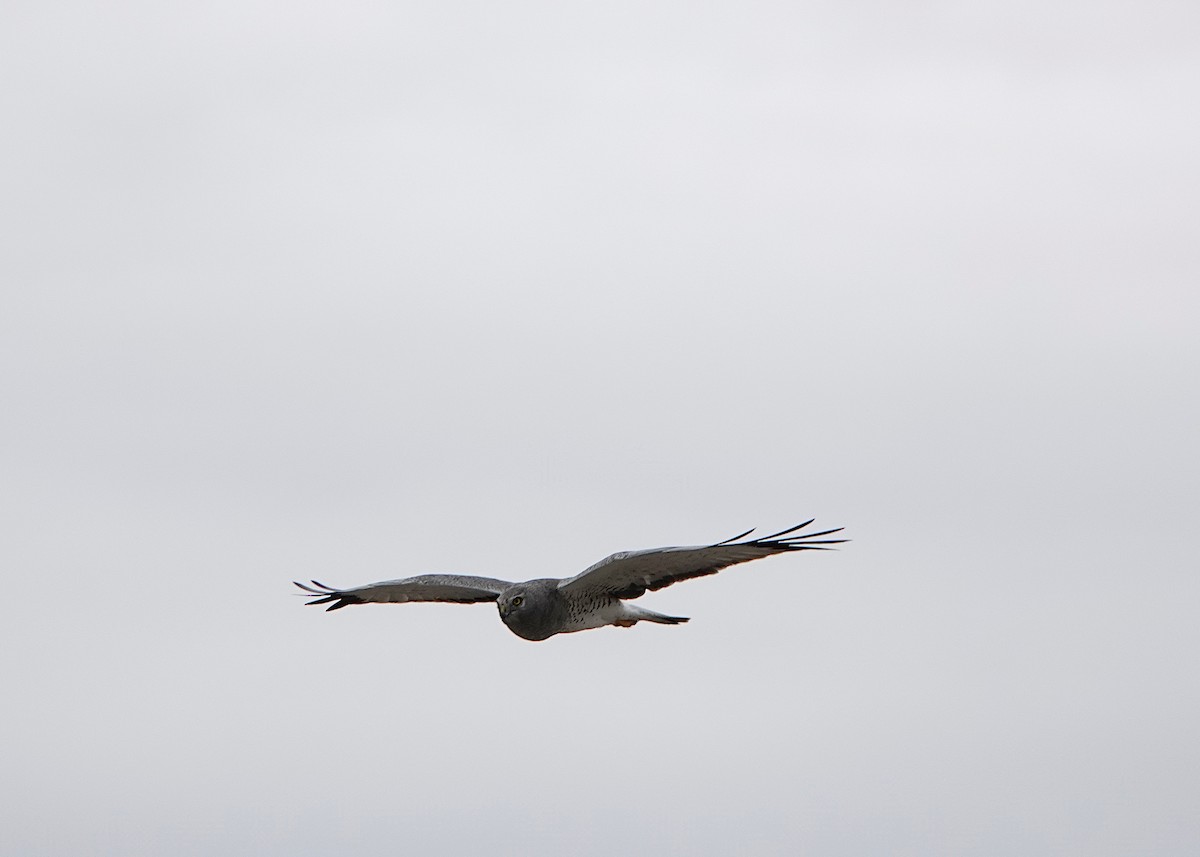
pixel 516 602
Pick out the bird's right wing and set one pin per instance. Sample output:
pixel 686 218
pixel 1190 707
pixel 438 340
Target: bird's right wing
pixel 452 588
pixel 630 573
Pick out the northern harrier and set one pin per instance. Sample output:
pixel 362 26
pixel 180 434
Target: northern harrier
pixel 538 609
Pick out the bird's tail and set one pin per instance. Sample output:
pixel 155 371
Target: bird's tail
pixel 641 614
pixel 666 620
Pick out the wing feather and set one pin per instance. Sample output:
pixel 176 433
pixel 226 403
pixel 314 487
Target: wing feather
pixel 447 588
pixel 630 574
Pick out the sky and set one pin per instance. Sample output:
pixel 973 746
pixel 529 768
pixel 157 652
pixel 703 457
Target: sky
pixel 355 291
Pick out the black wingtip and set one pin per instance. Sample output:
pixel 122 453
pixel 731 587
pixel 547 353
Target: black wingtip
pixel 809 536
pixel 735 538
pixel 791 539
pixel 804 541
pixel 788 530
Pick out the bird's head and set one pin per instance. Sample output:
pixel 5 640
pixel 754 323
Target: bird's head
pixel 528 608
pixel 516 601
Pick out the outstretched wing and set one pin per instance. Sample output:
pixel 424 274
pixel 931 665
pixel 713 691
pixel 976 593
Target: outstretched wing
pixel 453 588
pixel 631 573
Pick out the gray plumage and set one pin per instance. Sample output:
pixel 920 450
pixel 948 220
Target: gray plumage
pixel 538 609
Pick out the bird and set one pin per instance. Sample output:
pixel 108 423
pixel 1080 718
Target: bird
pixel 597 596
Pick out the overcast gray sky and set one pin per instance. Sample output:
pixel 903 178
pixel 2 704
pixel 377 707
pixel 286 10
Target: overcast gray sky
pixel 361 290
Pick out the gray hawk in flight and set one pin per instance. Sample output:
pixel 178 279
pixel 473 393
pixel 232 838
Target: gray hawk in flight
pixel 597 596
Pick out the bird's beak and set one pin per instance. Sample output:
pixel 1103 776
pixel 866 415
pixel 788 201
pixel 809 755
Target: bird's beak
pixel 503 610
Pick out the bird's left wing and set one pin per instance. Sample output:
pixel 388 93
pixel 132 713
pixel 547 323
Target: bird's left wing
pixel 452 588
pixel 631 573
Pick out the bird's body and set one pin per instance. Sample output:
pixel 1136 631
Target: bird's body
pixel 542 610
pixel 539 609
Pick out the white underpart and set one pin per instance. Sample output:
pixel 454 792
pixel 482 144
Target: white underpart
pixel 609 614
